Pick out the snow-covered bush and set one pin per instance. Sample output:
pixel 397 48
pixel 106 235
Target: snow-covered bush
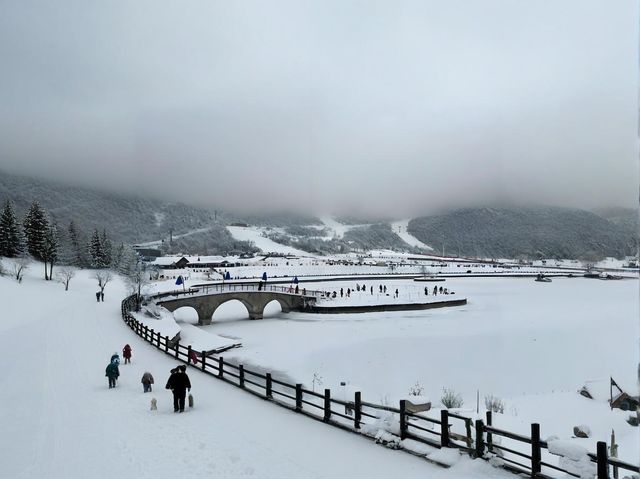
pixel 416 390
pixel 493 403
pixel 451 399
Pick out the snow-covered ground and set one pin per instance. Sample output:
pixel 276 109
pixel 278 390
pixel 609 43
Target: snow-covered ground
pixel 531 344
pixel 61 421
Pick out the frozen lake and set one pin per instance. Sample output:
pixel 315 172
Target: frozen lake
pixel 531 344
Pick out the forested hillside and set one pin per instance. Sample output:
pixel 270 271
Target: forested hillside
pixel 535 232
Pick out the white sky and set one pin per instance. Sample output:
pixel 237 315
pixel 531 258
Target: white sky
pixel 394 107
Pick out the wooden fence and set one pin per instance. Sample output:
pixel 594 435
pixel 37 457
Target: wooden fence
pixel 448 430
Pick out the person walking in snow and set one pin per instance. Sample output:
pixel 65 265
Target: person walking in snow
pixel 193 357
pixel 435 290
pixel 102 296
pixel 147 381
pixel 426 291
pixel 371 290
pixel 126 354
pixel 341 292
pixel 98 296
pixel 112 372
pixel 179 384
pixel 396 293
pixel 115 358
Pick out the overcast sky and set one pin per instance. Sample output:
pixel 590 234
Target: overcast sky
pixel 386 107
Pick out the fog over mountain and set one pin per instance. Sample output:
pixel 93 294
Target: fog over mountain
pixel 359 108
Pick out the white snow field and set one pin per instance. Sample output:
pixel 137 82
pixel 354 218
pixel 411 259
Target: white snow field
pixel 533 345
pixel 60 420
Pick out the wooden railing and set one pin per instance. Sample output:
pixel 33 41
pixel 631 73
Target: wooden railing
pixel 449 430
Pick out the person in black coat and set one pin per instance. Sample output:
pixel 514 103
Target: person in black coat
pixel 179 384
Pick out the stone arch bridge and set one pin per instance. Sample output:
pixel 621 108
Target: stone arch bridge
pixel 205 303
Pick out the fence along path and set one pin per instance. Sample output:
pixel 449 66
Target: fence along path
pixel 525 454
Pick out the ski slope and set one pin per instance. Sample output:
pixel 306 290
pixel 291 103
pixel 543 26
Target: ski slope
pixel 400 228
pixel 61 421
pixel 254 234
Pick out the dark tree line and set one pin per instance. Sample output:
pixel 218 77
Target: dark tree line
pixel 41 238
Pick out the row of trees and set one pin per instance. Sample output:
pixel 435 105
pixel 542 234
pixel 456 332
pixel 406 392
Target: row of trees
pixel 40 237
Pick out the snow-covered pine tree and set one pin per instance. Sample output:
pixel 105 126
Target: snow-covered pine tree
pixel 50 250
pixel 107 248
pixel 96 252
pixel 127 260
pixel 77 244
pixel 11 241
pixel 35 229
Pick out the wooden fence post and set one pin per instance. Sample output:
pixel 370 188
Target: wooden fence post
pixel 479 440
pixel 153 332
pixel 166 344
pixel 177 349
pixel 444 428
pixel 241 375
pixel 269 386
pixel 357 416
pixel 489 435
pixel 467 424
pixel 536 455
pixel 204 360
pixel 189 354
pixel 403 419
pixel 298 397
pixel 146 332
pixel 327 405
pixel 220 366
pixel 602 460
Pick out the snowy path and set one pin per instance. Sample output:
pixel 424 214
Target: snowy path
pixel 63 422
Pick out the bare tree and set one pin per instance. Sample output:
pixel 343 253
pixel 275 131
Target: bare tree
pixel 138 276
pixel 19 266
pixel 64 276
pixel 103 277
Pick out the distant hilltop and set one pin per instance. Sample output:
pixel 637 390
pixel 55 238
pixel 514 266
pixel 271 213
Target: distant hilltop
pixel 516 232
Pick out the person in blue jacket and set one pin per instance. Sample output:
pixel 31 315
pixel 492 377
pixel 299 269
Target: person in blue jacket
pixel 112 372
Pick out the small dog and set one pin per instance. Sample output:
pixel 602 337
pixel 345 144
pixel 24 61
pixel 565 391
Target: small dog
pixel 154 404
pixel 190 400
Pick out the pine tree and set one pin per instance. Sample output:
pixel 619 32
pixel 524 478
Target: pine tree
pixel 10 235
pixel 107 248
pixel 35 230
pixel 50 250
pixel 76 243
pixel 96 251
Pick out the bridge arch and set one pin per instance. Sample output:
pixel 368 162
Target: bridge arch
pixel 230 310
pixel 186 314
pixel 273 308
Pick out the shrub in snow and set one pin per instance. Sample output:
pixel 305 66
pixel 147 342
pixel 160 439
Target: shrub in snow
pixel 493 403
pixel 581 431
pixel 451 399
pixel 416 390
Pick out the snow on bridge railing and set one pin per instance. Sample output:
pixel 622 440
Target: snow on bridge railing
pixel 377 421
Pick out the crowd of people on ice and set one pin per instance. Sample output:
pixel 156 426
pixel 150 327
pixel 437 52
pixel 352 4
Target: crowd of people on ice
pixel 178 382
pixel 382 289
